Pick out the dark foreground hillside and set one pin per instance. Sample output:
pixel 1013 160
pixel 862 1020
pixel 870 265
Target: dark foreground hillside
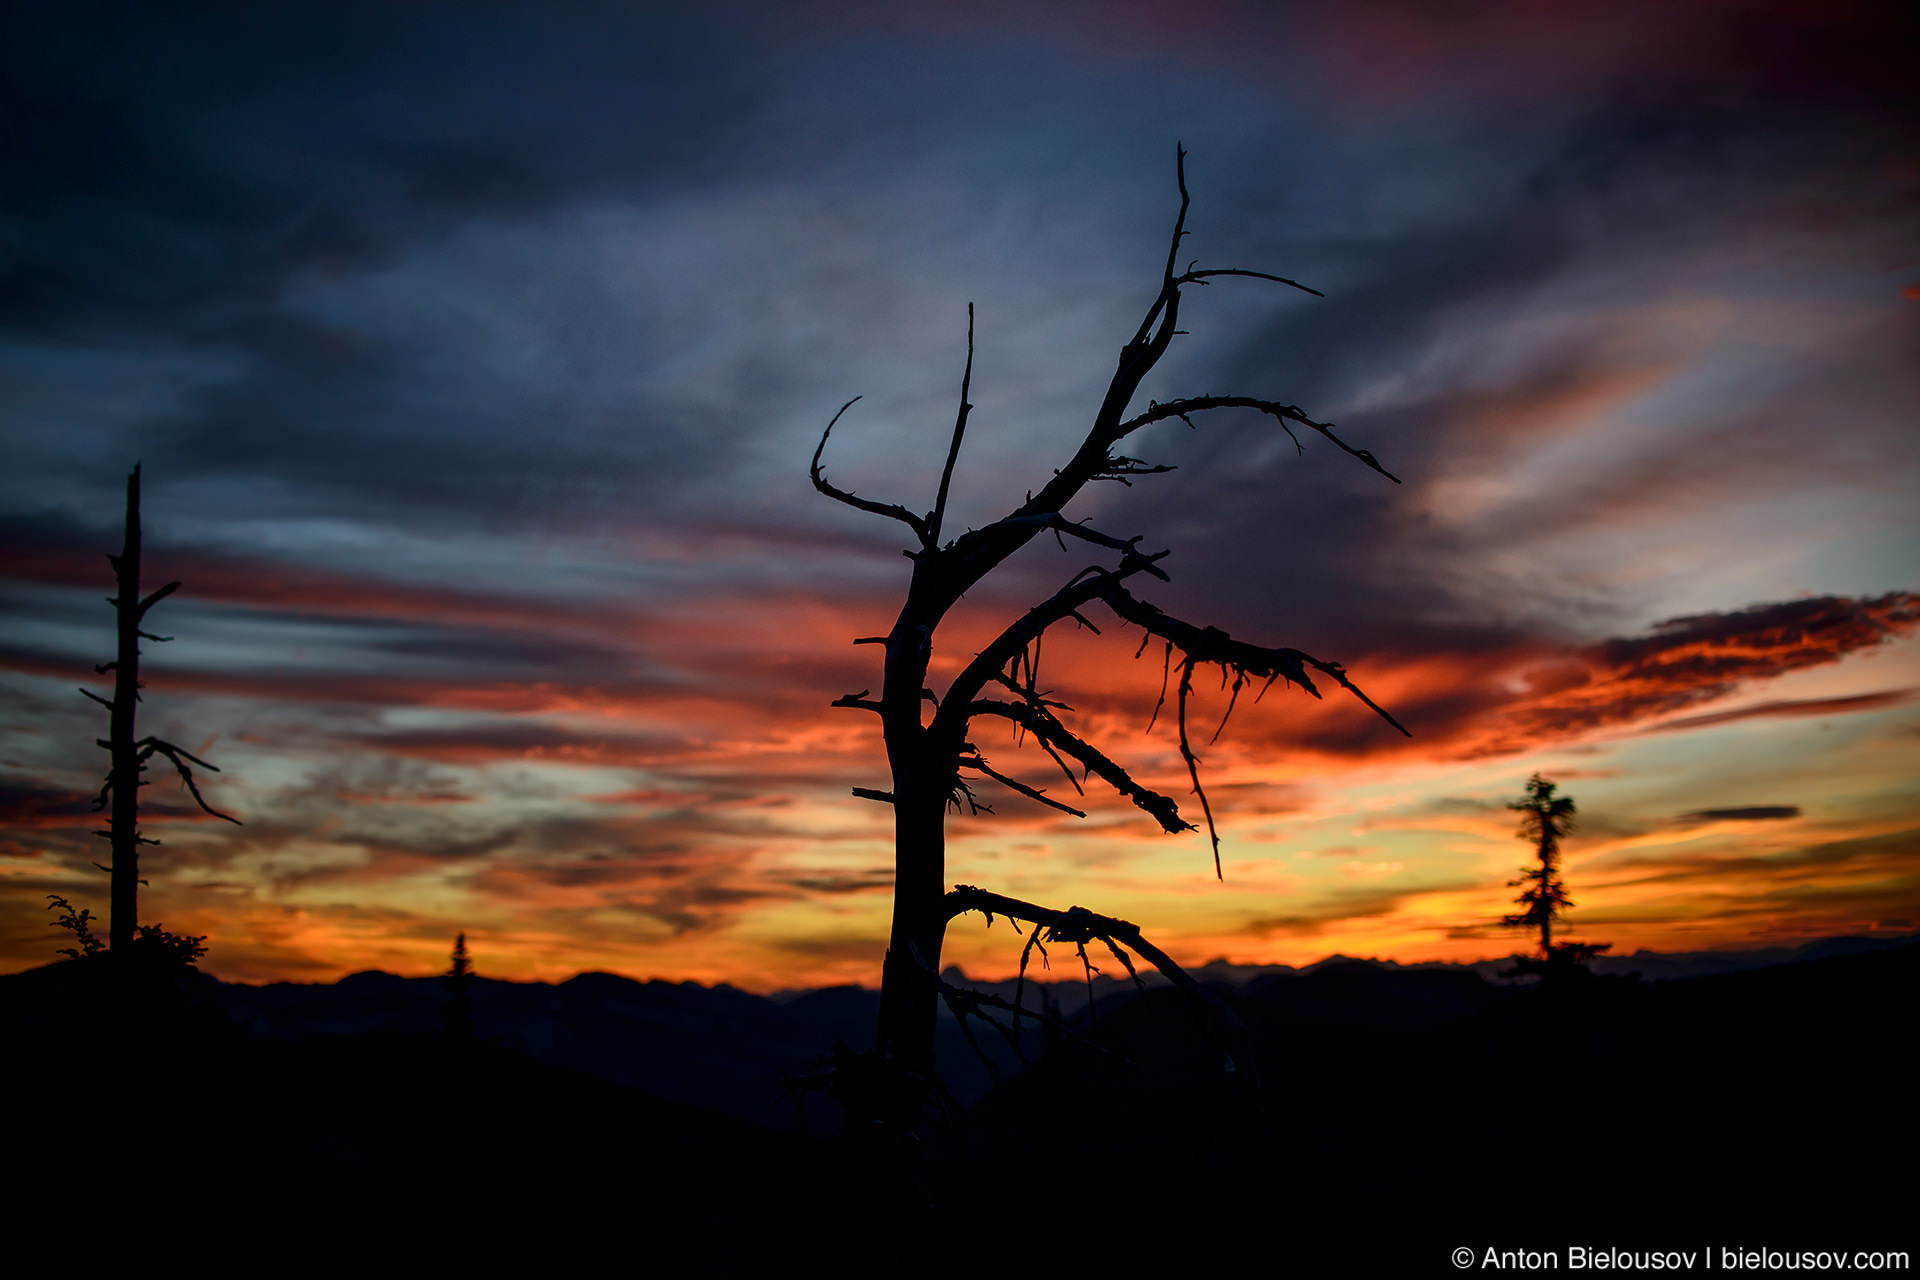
pixel 177 1138
pixel 1403 1113
pixel 1377 1115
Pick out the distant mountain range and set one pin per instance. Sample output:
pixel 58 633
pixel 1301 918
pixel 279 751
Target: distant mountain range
pixel 1652 966
pixel 732 1051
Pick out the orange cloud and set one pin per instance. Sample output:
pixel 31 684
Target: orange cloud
pixel 1690 660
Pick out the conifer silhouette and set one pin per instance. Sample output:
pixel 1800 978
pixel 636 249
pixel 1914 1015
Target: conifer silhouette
pixel 1546 819
pixel 459 977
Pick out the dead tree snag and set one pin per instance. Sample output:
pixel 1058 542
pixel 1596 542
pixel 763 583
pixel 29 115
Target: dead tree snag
pixel 128 753
pixel 928 738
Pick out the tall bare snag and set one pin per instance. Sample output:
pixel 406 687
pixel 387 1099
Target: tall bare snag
pixel 931 752
pixel 129 753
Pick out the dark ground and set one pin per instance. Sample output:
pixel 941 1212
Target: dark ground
pixel 1379 1118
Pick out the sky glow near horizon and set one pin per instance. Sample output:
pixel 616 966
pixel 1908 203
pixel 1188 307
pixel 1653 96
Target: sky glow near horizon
pixel 474 355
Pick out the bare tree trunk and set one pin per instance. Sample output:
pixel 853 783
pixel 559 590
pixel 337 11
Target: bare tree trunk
pixel 128 754
pixel 123 828
pixel 1546 920
pixel 909 1002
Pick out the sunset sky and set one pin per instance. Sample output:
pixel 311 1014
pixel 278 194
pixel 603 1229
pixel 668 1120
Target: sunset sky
pixel 474 355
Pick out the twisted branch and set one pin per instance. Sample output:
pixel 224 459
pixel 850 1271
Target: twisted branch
pixel 1013 784
pixel 1200 277
pixel 1210 644
pixel 150 747
pixel 892 510
pixel 1281 413
pixel 1042 724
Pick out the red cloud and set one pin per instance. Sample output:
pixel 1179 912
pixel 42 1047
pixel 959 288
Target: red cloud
pixel 1469 704
pixel 292 588
pixel 1691 660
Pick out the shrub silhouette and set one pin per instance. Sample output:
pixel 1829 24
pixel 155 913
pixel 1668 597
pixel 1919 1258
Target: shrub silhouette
pixel 80 924
pixel 151 942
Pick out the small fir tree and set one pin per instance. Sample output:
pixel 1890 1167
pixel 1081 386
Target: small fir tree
pixel 1546 819
pixel 458 979
pixel 1543 899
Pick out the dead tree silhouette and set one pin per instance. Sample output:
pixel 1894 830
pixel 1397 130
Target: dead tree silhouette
pixel 128 755
pixel 1546 819
pixel 930 757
